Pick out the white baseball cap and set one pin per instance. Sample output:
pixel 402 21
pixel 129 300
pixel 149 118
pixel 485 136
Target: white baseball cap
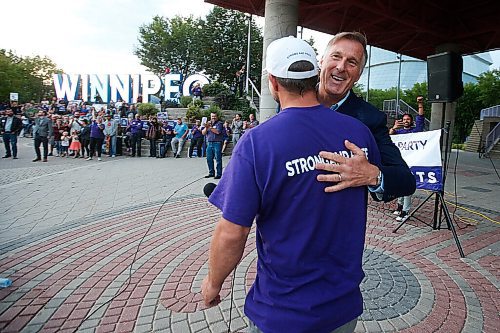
pixel 283 52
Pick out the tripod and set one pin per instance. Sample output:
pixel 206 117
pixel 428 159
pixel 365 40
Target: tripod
pixel 439 202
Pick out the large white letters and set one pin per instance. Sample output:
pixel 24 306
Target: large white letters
pixel 112 87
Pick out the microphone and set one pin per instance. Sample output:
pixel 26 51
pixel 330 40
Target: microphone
pixel 208 189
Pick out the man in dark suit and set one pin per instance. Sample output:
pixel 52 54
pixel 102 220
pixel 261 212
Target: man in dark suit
pixel 10 126
pixel 341 67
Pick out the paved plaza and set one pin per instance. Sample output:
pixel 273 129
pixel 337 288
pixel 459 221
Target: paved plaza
pixel 122 246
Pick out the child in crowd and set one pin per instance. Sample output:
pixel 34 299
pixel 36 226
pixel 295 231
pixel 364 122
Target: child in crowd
pixel 64 144
pixel 75 144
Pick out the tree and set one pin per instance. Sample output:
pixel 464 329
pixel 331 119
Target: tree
pixel 224 46
pixel 216 45
pixel 489 87
pixel 31 77
pixel 468 110
pixel 171 43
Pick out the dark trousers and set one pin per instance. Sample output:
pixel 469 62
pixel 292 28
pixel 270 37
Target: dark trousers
pixel 168 142
pixel 10 139
pixel 136 144
pixel 41 140
pixel 96 145
pixel 85 146
pixel 152 147
pixel 198 142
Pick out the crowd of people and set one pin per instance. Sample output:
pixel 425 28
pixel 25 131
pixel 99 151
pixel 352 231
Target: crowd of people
pixel 82 131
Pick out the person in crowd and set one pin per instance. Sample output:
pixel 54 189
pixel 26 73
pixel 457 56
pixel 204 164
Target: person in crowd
pixel 153 134
pixel 226 133
pixel 75 145
pixel 168 134
pixel 405 126
pixel 110 133
pixel 27 126
pixel 96 138
pixel 197 91
pixel 52 143
pixel 181 132
pixel 252 122
pixel 43 131
pixel 196 139
pixel 240 79
pixel 309 243
pixel 85 138
pixel 341 67
pixel 58 129
pixel 10 127
pixel 65 142
pixel 213 133
pixel 135 129
pixel 237 128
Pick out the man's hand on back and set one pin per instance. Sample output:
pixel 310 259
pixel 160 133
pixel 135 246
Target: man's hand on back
pixel 347 172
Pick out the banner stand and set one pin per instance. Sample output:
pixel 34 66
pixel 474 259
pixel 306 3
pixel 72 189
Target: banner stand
pixel 439 202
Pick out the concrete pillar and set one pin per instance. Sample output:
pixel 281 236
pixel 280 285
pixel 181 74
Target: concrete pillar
pixel 437 122
pixel 281 19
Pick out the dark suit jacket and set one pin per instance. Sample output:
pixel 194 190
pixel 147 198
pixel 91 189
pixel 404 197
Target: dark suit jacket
pixel 16 127
pixel 398 179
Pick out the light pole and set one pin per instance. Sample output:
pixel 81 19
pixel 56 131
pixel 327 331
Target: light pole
pixel 368 74
pixel 399 83
pixel 248 53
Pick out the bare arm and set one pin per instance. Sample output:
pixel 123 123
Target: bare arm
pixel 226 250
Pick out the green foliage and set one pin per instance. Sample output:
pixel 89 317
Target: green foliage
pixel 214 109
pixel 171 103
pixel 194 110
pixel 460 146
pixel 489 87
pixel 243 106
pixel 225 99
pixel 31 77
pixel 216 44
pixel 214 88
pixel 410 97
pixel 224 47
pixel 468 110
pixel 169 43
pixel 185 101
pixel 147 109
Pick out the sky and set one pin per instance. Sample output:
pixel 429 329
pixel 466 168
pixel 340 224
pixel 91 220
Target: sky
pixel 98 36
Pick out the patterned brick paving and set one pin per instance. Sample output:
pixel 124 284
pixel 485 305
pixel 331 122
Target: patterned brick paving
pixel 117 272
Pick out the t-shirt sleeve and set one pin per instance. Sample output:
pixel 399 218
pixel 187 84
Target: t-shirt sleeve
pixel 237 195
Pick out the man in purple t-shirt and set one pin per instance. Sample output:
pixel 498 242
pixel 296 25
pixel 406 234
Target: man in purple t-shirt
pixel 405 126
pixel 309 242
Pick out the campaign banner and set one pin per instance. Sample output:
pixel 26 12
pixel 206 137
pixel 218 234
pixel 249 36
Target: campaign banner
pixel 421 151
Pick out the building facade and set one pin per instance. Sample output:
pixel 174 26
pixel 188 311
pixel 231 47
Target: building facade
pixel 384 67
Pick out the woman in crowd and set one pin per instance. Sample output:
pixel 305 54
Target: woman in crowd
pixel 153 134
pixel 85 138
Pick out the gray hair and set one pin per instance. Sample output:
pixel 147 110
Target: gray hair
pixel 354 36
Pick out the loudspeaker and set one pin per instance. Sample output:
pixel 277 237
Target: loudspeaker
pixel 444 77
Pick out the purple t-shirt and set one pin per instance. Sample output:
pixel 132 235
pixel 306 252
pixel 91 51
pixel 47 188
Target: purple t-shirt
pixel 309 243
pixel 419 126
pixel 97 130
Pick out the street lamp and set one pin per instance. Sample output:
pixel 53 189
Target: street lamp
pixel 248 53
pixel 400 56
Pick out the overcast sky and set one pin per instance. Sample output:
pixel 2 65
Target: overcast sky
pixel 96 36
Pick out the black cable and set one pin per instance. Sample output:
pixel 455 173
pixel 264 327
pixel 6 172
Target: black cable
pixel 135 254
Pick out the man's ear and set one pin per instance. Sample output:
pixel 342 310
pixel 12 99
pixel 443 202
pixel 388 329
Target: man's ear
pixel 273 82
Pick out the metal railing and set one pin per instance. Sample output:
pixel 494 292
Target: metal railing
pixel 395 111
pixel 492 139
pixel 492 111
pixel 253 95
